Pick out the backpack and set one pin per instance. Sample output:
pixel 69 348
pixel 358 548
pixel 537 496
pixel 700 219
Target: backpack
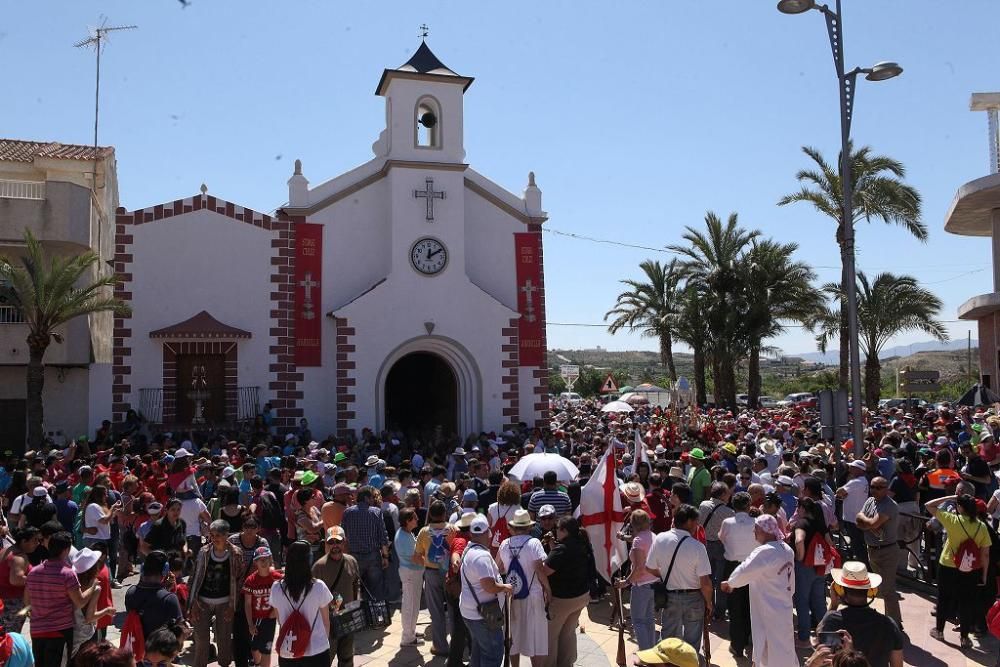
pixel 518 581
pixel 438 551
pixel 133 637
pixel 272 514
pixel 967 556
pixel 500 530
pixel 295 629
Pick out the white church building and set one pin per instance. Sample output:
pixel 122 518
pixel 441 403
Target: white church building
pixel 408 292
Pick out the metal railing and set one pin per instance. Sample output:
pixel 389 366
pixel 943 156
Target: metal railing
pixel 11 315
pixel 247 403
pixel 151 404
pixel 10 189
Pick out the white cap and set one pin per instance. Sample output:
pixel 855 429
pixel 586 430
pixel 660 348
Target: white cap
pixel 40 491
pixel 181 453
pixel 860 465
pixel 228 471
pixel 479 525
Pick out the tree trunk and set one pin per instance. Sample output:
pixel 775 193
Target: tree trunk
pixel 667 356
pixel 35 383
pixel 729 371
pixel 718 382
pixel 873 381
pixel 754 380
pixel 701 397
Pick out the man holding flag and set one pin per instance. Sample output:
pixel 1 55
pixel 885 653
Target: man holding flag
pixel 602 515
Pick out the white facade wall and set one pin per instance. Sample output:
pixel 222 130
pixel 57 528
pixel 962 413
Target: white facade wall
pixel 66 402
pixel 200 261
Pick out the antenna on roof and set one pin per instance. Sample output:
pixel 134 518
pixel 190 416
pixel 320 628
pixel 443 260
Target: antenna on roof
pixel 98 38
pixel 424 31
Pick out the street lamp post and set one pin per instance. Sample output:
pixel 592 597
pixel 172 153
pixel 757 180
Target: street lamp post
pixel 847 81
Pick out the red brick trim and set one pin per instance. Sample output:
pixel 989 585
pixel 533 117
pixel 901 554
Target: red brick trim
pixel 197 203
pixel 121 332
pixel 284 385
pixel 346 380
pixel 173 348
pixel 509 379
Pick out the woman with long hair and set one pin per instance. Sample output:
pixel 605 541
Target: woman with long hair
pixel 568 568
pixel 231 511
pixel 641 581
pixel 963 567
pixel 811 532
pixel 167 533
pixel 97 517
pixel 14 568
pixel 296 597
pixel 105 654
pixel 502 511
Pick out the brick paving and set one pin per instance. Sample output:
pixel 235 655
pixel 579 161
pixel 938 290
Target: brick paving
pixel 598 644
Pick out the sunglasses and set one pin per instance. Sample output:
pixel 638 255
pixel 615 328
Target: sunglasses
pixel 335 541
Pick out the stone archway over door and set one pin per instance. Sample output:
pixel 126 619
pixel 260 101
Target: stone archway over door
pixel 467 379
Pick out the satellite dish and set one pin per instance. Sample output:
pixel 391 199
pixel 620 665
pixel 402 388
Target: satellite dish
pixel 428 119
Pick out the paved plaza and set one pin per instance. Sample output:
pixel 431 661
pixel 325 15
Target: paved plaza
pixel 598 645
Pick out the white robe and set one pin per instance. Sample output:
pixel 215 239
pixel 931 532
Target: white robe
pixel 770 572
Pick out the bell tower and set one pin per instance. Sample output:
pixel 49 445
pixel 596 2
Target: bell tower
pixel 423 110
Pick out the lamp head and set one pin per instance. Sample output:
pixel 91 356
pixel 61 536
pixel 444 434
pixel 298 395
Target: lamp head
pixel 884 70
pixel 795 6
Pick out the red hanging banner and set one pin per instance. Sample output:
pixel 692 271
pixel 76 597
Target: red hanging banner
pixel 531 325
pixel 308 278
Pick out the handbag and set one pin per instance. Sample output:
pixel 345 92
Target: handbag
pixel 660 587
pixel 376 612
pixel 490 610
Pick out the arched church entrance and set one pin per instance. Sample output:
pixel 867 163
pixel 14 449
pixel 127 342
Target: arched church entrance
pixel 421 395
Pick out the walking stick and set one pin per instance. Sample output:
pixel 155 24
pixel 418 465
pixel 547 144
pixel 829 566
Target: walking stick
pixel 704 639
pixel 620 659
pixel 507 643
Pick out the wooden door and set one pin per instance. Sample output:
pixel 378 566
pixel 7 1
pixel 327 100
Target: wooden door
pixel 205 373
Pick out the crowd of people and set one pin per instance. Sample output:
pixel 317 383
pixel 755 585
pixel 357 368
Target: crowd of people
pixel 277 544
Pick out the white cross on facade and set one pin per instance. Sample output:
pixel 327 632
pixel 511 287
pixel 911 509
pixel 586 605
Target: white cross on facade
pixel 529 305
pixel 307 303
pixel 430 195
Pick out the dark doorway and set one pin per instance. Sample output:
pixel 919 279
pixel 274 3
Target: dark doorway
pixel 205 374
pixel 421 393
pixel 14 424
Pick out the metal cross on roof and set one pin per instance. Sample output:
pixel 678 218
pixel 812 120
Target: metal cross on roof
pixel 424 30
pixel 430 195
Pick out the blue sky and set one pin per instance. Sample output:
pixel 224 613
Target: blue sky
pixel 637 117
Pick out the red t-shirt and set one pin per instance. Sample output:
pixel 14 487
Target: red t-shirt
pixel 259 589
pixel 104 597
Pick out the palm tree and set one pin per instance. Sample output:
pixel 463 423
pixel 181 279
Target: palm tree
pixel 779 289
pixel 692 328
pixel 879 194
pixel 648 307
pixel 887 307
pixel 49 294
pixel 711 263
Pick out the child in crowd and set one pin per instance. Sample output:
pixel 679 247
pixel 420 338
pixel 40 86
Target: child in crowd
pixel 257 603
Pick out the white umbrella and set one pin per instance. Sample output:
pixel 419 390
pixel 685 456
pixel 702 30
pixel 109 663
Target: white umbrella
pixel 617 406
pixel 536 465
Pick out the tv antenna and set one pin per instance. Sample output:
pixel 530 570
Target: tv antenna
pixel 98 39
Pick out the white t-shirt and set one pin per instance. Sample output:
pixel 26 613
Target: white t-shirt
pixel 191 510
pixel 19 502
pixel 316 602
pixel 91 519
pixel 691 565
pixel 477 564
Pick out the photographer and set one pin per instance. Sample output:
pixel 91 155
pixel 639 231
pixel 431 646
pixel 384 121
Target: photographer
pixel 874 634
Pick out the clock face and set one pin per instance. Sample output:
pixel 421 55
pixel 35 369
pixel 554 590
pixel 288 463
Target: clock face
pixel 428 256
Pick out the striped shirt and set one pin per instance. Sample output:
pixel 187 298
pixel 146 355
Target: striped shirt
pixel 49 584
pixel 365 529
pixel 559 500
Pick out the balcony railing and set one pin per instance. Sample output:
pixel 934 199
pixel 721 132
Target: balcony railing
pixel 22 189
pixel 11 315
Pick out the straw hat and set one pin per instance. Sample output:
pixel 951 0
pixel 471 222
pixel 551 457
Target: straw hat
pixel 633 492
pixel 521 520
pixel 855 575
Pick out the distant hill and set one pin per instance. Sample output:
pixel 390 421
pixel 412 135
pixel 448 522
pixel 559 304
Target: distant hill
pixel 833 356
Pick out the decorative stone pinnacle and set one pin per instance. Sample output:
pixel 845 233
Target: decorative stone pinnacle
pixel 298 168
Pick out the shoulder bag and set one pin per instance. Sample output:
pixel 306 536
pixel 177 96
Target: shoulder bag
pixel 490 610
pixel 660 593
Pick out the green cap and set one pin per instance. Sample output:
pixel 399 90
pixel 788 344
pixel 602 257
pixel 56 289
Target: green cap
pixel 341 456
pixel 309 477
pixel 696 453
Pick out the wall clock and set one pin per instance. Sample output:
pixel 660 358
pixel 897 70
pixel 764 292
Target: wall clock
pixel 428 256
